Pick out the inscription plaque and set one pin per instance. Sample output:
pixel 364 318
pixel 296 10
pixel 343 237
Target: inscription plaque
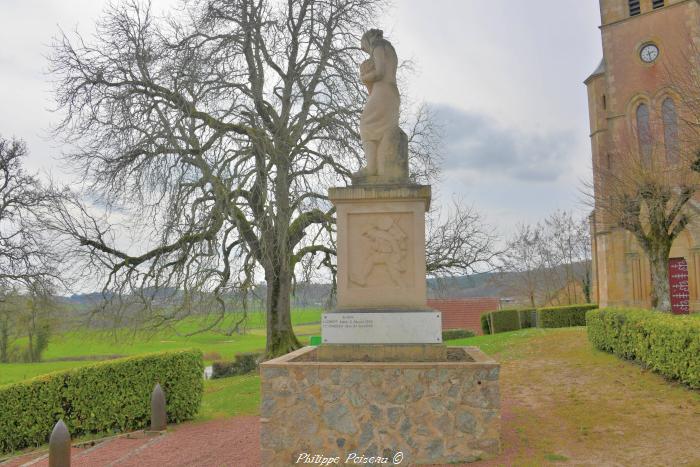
pixel 382 328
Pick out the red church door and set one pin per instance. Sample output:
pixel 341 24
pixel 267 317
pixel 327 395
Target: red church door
pixel 678 285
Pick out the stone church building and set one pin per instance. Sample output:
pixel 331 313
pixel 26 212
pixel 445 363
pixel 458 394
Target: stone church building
pixel 632 89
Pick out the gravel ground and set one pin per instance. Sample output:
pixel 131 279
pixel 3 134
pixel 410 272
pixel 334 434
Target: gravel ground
pixel 230 442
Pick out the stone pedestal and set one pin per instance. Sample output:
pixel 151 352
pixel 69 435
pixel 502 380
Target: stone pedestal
pixel 381 353
pixel 381 246
pixel 438 411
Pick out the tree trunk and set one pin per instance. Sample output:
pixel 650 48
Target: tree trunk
pixel 586 286
pixel 660 296
pixel 4 340
pixel 280 335
pixel 30 348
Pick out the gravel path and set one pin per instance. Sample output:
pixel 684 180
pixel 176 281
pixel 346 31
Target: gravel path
pixel 230 442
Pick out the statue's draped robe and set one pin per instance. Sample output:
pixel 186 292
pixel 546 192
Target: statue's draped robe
pixel 381 113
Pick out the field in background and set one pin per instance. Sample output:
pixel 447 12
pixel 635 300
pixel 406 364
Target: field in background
pixel 80 348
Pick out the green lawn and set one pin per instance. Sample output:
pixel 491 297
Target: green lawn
pixel 80 344
pixel 496 343
pixel 14 372
pixel 76 345
pixel 227 397
pixel 254 320
pixel 73 348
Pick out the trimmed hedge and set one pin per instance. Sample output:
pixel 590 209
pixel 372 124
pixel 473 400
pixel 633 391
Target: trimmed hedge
pixel 485 328
pixel 242 364
pixel 665 343
pixel 505 320
pixel 113 396
pixel 522 318
pixel 449 334
pixel 509 319
pixel 528 318
pixel 563 316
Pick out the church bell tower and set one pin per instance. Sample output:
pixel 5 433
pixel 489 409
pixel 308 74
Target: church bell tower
pixel 632 88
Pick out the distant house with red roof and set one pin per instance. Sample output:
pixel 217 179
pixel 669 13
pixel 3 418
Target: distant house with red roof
pixel 464 313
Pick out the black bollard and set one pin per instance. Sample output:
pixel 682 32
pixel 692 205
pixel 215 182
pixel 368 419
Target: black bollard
pixel 159 418
pixel 59 446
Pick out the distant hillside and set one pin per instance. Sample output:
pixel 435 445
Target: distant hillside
pixel 96 297
pixel 506 285
pixel 491 284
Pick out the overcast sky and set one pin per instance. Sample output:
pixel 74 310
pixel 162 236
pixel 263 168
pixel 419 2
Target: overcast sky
pixel 504 76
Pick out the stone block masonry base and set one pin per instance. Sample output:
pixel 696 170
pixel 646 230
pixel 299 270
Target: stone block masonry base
pixel 437 412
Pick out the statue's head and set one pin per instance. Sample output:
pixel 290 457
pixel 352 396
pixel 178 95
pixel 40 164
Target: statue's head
pixel 369 38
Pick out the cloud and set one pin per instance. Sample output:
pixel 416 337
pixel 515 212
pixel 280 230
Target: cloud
pixel 478 143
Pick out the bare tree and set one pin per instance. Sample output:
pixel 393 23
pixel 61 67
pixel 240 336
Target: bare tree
pixel 650 197
pixel 25 253
pixel 525 259
pixel 27 315
pixel 460 245
pixel 213 135
pixel 568 241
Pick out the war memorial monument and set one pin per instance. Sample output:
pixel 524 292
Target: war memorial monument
pixel 382 386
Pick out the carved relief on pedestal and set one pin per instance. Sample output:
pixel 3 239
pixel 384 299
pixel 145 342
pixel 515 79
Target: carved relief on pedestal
pixel 381 246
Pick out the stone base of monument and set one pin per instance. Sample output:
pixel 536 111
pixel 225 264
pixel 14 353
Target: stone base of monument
pixel 382 353
pixel 348 401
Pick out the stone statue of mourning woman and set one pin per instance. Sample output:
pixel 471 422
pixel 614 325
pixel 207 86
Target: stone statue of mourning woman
pixel 385 144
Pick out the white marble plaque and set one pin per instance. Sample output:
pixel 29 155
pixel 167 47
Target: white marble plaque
pixel 382 328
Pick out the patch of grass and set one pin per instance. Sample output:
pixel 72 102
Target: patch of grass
pixel 254 320
pixel 77 344
pixel 81 343
pixel 572 398
pixel 228 397
pixel 14 372
pixel 555 457
pixel 497 343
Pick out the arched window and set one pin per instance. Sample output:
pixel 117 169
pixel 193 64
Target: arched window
pixel 644 134
pixel 668 112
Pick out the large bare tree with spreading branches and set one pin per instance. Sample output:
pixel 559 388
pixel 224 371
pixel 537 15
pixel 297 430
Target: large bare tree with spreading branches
pixel 207 140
